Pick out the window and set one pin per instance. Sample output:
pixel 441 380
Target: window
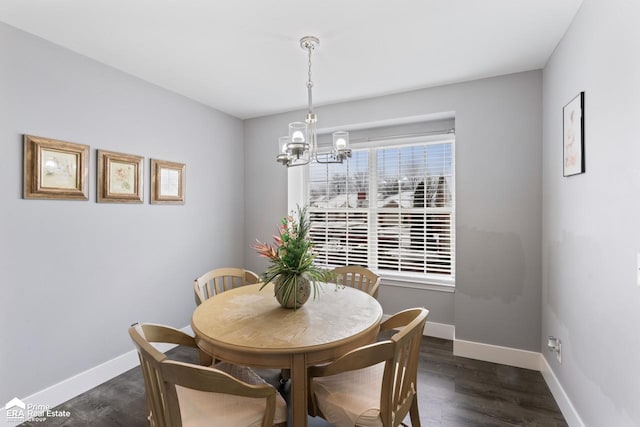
pixel 390 208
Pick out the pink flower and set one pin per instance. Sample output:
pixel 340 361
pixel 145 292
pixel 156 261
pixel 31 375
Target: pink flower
pixel 265 250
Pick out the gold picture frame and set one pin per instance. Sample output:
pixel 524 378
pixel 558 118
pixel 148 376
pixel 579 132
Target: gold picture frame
pixel 167 182
pixel 55 169
pixel 120 178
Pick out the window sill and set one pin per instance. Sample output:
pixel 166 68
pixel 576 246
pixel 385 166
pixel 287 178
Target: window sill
pixel 418 282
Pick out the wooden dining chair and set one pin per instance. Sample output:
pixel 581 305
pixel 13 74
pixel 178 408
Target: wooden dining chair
pixel 220 280
pixel 357 277
pixel 374 385
pixel 183 394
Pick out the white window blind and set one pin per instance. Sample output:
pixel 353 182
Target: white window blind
pixel 390 208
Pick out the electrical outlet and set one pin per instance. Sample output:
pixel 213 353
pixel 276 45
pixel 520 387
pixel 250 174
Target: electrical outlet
pixel 555 345
pixel 559 351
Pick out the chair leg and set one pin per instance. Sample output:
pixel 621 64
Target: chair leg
pixel 285 375
pixel 414 413
pixel 205 359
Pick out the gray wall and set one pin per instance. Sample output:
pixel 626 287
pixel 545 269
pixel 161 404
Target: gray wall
pixel 591 228
pixel 76 274
pixel 498 164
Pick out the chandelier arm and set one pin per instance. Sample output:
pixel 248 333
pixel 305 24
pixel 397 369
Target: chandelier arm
pixel 329 159
pixel 333 157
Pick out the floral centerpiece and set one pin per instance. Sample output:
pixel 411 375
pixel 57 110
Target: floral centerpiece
pixel 291 262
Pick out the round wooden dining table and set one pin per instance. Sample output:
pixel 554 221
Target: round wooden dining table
pixel 247 326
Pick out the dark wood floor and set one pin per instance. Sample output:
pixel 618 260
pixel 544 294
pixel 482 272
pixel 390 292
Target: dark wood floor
pixel 453 391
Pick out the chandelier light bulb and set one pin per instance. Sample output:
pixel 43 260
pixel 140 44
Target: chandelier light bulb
pixel 341 148
pixel 298 133
pixel 297 136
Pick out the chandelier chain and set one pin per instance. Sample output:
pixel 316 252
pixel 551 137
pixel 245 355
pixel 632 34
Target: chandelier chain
pixel 309 82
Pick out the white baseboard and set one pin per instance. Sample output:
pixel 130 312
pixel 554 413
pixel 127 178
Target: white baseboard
pixel 433 329
pixel 440 330
pixel 562 399
pixel 497 354
pixel 56 394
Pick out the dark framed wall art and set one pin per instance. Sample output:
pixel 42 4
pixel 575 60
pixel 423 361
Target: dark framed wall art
pixel 573 136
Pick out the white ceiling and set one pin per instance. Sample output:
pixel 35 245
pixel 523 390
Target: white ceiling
pixel 243 57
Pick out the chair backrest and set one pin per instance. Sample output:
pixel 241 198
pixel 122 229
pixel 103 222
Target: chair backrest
pixel 150 360
pixel 358 277
pixel 220 280
pixel 161 376
pixel 205 379
pixel 400 380
pixel 400 355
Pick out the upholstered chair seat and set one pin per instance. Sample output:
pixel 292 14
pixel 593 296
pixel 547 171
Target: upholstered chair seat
pixel 351 398
pixel 182 394
pixel 197 408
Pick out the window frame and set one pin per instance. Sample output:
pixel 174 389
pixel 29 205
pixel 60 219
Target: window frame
pixel 298 185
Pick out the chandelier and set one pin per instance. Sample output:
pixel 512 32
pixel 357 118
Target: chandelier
pixel 301 145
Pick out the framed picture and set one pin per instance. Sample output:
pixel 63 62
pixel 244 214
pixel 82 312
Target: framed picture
pixel 573 136
pixel 120 178
pixel 167 182
pixel 55 169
